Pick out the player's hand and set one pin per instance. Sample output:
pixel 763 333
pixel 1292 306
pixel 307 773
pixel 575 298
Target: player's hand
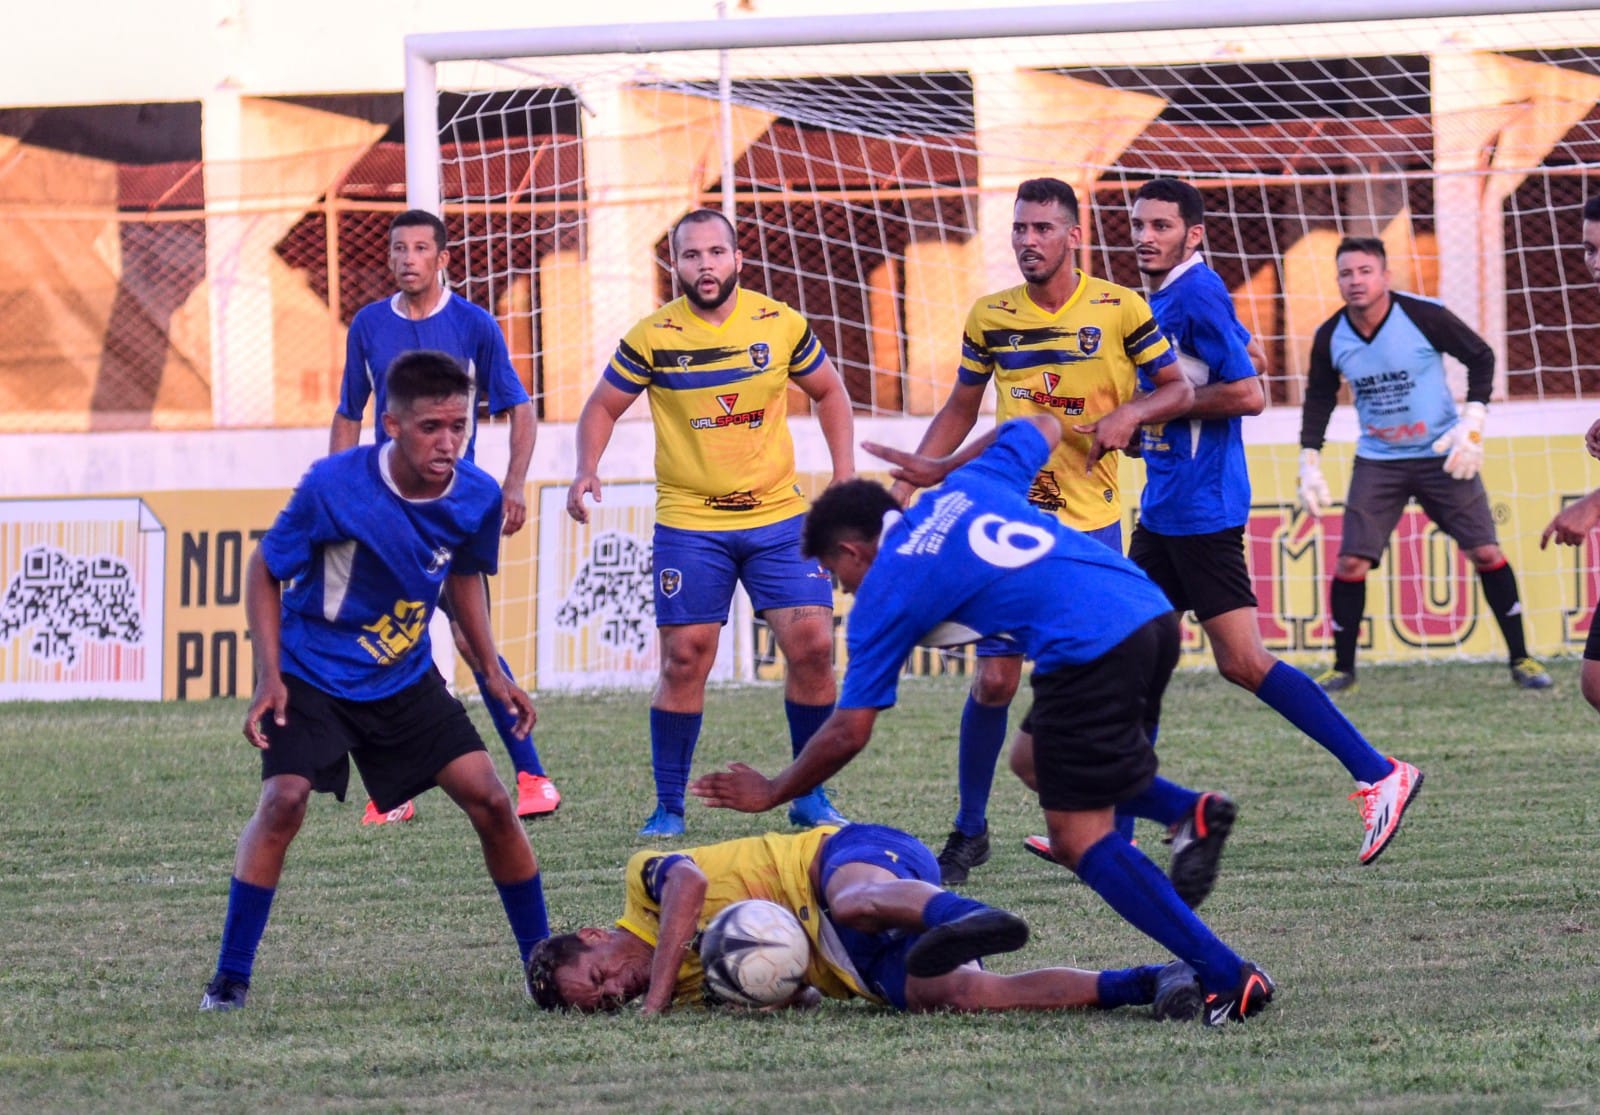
pixel 588 483
pixel 1591 440
pixel 912 470
pixel 1111 434
pixel 515 503
pixel 1573 522
pixel 1464 443
pixel 510 695
pixel 901 492
pixel 1314 494
pixel 271 696
pixel 739 787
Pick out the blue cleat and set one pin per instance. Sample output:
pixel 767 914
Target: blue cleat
pixel 815 809
pixel 663 822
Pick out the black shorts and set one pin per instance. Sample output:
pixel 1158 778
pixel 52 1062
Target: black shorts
pixel 1591 645
pixel 1378 494
pixel 1200 573
pixel 1091 724
pixel 399 743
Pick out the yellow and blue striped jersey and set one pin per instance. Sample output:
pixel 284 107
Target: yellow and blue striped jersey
pixel 1078 364
pixel 775 866
pixel 718 397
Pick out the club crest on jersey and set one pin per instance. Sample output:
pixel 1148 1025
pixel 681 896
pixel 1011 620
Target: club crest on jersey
pixel 761 354
pixel 1089 340
pixel 439 559
pixel 671 582
pixel 730 415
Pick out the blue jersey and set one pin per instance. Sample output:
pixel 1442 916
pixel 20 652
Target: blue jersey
pixel 1195 476
pixel 1396 376
pixel 366 566
pixel 974 553
pixel 381 331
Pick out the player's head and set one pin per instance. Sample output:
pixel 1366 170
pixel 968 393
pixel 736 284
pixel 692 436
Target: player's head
pixel 1044 228
pixel 842 528
pixel 589 970
pixel 417 256
pixel 1168 223
pixel 1591 237
pixel 1363 270
pixel 427 416
pixel 705 251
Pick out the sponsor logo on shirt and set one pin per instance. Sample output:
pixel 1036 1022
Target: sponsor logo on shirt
pixel 763 315
pixel 1105 300
pixel 730 416
pixel 1069 404
pixel 1003 305
pixel 668 323
pixel 734 501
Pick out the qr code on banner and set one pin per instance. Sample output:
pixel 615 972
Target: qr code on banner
pixel 65 599
pixel 613 587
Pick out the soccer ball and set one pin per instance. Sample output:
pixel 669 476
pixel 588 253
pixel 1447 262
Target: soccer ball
pixel 755 953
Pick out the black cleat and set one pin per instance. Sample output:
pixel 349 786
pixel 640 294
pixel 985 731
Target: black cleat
pixel 944 948
pixel 1197 847
pixel 1254 992
pixel 1177 996
pixel 961 854
pixel 225 993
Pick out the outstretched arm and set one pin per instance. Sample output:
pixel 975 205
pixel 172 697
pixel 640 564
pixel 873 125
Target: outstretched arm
pixel 919 470
pixel 1173 396
pixel 742 787
pixel 683 899
pixel 1573 522
pixel 945 433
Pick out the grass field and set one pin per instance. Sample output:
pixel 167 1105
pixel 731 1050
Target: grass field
pixel 1461 973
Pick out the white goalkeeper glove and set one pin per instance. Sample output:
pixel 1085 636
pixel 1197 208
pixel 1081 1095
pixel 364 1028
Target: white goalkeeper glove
pixel 1464 443
pixel 1314 494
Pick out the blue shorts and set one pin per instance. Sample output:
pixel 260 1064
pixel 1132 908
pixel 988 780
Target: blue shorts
pixel 880 958
pixel 695 571
pixel 1004 646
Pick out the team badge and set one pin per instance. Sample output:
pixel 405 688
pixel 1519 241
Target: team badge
pixel 671 582
pixel 761 354
pixel 1089 339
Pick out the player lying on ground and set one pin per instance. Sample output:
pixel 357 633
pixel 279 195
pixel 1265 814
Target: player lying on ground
pixel 345 666
pixel 974 558
pixel 879 924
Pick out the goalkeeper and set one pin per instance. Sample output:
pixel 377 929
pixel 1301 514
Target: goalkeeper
pixel 1413 443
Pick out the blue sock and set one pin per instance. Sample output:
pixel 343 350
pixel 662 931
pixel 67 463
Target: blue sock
pixel 1135 888
pixel 1301 702
pixel 1164 802
pixel 248 907
pixel 1127 987
pixel 524 756
pixel 672 739
pixel 524 903
pixel 948 906
pixel 804 720
pixel 983 734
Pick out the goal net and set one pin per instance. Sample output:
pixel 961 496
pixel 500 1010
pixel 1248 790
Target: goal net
pixel 870 165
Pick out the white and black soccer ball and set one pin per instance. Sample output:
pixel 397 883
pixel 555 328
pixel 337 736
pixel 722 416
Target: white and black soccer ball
pixel 754 953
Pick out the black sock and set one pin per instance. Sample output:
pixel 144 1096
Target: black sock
pixel 1347 600
pixel 1500 589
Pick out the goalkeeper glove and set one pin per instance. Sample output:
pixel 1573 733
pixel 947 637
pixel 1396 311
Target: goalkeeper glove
pixel 1464 443
pixel 1314 494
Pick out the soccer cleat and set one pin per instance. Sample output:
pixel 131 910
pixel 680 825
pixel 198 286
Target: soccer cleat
pixel 1383 803
pixel 1337 681
pixel 1040 846
pixel 1197 847
pixel 402 812
pixel 1527 673
pixel 1253 993
pixel 225 993
pixel 813 809
pixel 663 822
pixel 536 795
pixel 944 948
pixel 961 853
pixel 1177 996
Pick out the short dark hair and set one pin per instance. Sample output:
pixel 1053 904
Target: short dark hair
pixel 1191 206
pixel 1591 209
pixel 1043 191
pixel 700 217
pixel 852 511
pixel 424 374
pixel 547 958
pixel 416 218
pixel 1369 244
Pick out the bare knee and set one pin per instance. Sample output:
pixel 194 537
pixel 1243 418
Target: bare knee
pixel 1349 567
pixel 1022 761
pixel 1487 557
pixel 996 680
pixel 282 808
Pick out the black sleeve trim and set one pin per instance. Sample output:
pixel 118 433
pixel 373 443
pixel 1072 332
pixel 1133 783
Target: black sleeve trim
pixel 1322 386
pixel 1449 334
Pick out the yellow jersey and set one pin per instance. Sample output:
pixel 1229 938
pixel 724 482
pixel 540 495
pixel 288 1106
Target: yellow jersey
pixel 776 867
pixel 1078 364
pixel 719 401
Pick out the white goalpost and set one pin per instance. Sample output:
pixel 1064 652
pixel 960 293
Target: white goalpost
pixel 870 162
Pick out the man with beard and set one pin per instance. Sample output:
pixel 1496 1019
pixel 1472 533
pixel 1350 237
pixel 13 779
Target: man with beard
pixel 717 364
pixel 1088 353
